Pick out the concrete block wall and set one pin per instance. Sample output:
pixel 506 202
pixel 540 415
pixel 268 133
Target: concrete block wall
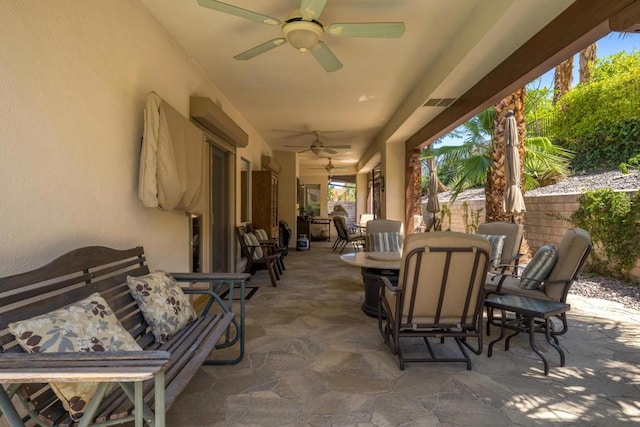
pixel 546 219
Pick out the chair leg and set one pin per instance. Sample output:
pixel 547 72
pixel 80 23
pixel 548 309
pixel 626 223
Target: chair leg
pixel 272 274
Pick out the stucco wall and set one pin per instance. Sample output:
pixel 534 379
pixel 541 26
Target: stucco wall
pixel 543 219
pixel 75 75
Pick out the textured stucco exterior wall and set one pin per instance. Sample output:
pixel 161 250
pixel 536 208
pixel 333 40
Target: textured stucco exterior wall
pixel 75 75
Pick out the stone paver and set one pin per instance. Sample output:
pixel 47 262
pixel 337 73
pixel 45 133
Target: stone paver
pixel 314 359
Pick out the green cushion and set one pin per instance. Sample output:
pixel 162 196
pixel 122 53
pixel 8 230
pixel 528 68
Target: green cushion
pixel 497 243
pixel 539 268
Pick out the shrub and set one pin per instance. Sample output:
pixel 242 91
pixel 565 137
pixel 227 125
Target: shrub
pixel 613 220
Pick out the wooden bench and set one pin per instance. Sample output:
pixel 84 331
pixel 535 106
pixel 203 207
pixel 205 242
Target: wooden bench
pixel 149 380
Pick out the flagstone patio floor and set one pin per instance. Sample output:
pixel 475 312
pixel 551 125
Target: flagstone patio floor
pixel 313 358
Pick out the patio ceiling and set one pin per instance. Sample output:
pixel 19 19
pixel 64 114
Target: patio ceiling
pixel 451 51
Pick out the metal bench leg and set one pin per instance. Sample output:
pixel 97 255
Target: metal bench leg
pixel 8 410
pixel 93 405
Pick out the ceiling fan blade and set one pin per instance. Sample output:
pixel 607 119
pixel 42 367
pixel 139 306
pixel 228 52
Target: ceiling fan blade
pixel 295 146
pixel 330 150
pixel 344 147
pixel 326 58
pixel 238 11
pixel 311 9
pixel 260 49
pixel 367 29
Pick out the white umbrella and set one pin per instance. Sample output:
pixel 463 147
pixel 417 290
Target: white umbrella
pixel 513 202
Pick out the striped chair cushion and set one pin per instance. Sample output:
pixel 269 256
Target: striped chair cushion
pixel 261 234
pixel 539 267
pixel 497 243
pixel 250 239
pixel 384 242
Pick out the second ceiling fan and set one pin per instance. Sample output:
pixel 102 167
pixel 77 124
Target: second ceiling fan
pixel 304 32
pixel 318 147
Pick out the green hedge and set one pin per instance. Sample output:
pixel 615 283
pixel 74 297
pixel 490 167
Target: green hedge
pixel 613 220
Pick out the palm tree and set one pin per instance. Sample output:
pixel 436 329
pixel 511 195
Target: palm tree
pixel 562 78
pixel 465 166
pixel 587 59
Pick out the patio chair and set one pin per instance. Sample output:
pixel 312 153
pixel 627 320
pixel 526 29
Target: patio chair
pixel 509 255
pixel 345 236
pixel 364 219
pixel 439 295
pixel 258 255
pixel 533 281
pixel 383 235
pixel 419 226
pixel 274 247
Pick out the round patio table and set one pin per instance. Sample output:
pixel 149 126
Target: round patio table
pixel 374 265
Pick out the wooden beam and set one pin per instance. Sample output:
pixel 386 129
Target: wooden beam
pixel 627 20
pixel 581 24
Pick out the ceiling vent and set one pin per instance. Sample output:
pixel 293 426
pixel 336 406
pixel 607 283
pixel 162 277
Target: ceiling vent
pixel 438 102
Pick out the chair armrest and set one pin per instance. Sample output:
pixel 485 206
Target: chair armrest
pixel 115 366
pixel 388 285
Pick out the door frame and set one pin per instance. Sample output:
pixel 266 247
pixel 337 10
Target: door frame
pixel 228 197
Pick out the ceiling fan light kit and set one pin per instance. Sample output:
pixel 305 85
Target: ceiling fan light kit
pixel 303 35
pixel 304 32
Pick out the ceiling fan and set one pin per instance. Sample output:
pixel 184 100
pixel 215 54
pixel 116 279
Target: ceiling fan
pixel 330 168
pixel 302 30
pixel 318 147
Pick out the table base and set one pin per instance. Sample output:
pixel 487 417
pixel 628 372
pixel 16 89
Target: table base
pixel 371 278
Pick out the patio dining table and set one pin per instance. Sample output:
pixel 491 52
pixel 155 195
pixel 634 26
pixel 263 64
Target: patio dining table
pixel 374 265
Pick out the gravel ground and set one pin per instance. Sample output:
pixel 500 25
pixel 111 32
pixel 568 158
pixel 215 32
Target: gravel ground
pixel 573 184
pixel 596 287
pixel 608 289
pixel 600 287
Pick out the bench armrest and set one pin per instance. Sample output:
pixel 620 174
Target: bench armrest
pixel 116 366
pixel 209 277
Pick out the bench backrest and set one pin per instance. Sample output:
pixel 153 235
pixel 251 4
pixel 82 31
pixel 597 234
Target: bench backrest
pixel 70 278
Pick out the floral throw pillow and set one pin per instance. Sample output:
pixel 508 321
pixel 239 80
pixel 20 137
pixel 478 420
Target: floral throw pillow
pixel 163 304
pixel 86 326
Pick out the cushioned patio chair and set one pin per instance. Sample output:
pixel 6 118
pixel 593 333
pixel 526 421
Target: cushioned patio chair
pixel 258 256
pixel 419 226
pixel 509 252
pixel 383 235
pixel 274 247
pixel 364 219
pixel 548 276
pixel 345 236
pixel 439 295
